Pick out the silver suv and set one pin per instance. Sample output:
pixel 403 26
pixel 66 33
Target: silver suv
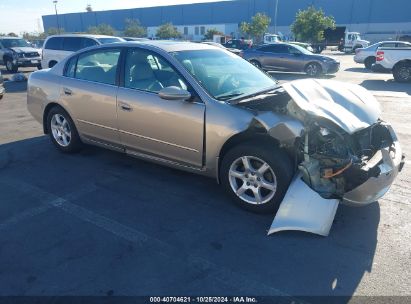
pixel 18 52
pixel 200 108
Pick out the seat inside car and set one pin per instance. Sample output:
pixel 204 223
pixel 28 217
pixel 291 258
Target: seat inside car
pixel 141 74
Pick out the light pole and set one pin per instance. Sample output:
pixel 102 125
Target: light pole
pixel 275 16
pixel 57 16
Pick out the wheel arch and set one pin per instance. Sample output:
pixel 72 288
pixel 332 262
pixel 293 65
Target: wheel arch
pixel 406 61
pixel 46 111
pixel 259 134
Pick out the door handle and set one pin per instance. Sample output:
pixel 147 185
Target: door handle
pixel 67 91
pixel 125 106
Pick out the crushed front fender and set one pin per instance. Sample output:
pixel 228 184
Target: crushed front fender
pixel 305 210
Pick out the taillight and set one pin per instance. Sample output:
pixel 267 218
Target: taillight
pixel 380 56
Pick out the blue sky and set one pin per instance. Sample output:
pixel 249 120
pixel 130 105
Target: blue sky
pixel 25 15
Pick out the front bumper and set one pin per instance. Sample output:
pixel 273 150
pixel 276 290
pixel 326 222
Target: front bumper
pixel 390 161
pixel 28 62
pixel 359 59
pixel 332 68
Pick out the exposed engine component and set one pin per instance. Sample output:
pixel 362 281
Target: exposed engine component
pixel 334 163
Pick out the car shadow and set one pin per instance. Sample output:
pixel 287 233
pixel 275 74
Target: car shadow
pixel 386 85
pixel 366 71
pixel 193 214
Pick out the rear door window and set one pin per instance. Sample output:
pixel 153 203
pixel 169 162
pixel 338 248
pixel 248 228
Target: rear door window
pixel 54 43
pixel 98 66
pixel 72 44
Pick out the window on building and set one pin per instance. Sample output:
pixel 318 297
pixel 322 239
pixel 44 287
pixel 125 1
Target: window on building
pixel 197 30
pixel 202 30
pixel 186 30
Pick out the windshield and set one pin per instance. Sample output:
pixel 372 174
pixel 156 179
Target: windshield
pixel 109 40
pixel 225 76
pixel 10 43
pixel 302 50
pixel 272 38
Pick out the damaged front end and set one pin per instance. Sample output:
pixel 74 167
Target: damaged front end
pixel 345 154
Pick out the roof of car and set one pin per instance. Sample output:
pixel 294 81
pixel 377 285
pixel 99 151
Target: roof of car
pixel 83 35
pixel 170 45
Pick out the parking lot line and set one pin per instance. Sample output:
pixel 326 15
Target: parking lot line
pixel 218 273
pixel 24 215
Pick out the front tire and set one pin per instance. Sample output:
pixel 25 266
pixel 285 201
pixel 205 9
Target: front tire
pixel 313 69
pixel 256 176
pixel 62 131
pixel 10 66
pixel 402 72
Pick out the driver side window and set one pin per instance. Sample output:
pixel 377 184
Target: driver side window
pixel 145 70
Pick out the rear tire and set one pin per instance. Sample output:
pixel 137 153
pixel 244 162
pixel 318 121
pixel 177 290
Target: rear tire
pixel 256 63
pixel 402 72
pixel 261 187
pixel 369 62
pixel 10 66
pixel 62 131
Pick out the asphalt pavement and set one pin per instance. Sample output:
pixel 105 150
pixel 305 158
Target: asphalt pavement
pixel 103 223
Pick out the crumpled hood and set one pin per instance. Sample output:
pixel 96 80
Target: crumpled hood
pixel 349 106
pixel 24 49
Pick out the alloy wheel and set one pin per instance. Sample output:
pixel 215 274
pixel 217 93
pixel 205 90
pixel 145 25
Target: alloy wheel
pixel 252 180
pixel 405 73
pixel 312 69
pixel 60 129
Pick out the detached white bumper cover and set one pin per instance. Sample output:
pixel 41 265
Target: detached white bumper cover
pixel 305 210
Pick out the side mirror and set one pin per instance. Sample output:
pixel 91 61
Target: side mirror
pixel 174 93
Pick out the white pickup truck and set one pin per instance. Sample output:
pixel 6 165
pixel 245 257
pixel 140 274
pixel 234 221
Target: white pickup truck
pixel 398 60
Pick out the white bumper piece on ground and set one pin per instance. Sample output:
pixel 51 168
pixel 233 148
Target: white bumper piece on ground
pixel 305 210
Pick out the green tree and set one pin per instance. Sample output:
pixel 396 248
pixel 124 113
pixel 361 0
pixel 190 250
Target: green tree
pixel 89 8
pixel 211 32
pixel 12 34
pixel 134 29
pixel 101 29
pixel 168 31
pixel 257 27
pixel 309 25
pixel 54 31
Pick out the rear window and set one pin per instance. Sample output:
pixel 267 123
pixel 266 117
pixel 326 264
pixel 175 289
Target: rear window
pixel 54 43
pixel 109 40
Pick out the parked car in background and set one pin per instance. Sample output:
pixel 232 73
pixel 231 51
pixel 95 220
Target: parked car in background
pixel 2 89
pixel 17 52
pixel 37 43
pixel 235 51
pixel 397 60
pixel 58 47
pixel 290 58
pixel 367 55
pixel 240 44
pixel 271 38
pixel 255 137
pixel 307 46
pixel 135 39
